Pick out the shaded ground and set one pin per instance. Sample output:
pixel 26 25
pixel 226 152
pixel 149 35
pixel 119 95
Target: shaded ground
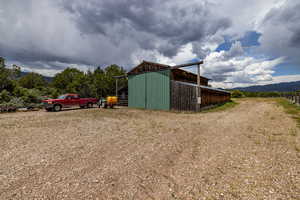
pixel 251 151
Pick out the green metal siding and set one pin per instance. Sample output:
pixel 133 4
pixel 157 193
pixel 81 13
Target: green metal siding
pixel 136 91
pixel 150 90
pixel 158 90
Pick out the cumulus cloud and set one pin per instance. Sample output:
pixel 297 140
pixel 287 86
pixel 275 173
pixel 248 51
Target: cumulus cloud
pixel 234 67
pixel 47 36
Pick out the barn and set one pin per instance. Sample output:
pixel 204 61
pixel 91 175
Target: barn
pixel 162 87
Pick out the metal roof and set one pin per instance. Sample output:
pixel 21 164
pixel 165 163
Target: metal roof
pixel 163 67
pixel 201 86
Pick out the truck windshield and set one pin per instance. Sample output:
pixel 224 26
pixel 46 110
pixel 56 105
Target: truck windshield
pixel 62 97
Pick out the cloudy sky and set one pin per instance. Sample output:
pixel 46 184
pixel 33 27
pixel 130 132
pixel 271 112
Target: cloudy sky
pixel 241 42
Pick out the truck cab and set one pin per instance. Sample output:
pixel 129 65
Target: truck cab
pixel 68 101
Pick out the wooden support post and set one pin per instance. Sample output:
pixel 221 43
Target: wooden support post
pixel 198 84
pixel 116 87
pixel 198 89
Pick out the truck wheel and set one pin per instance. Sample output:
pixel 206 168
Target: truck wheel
pixel 89 105
pixel 57 108
pixel 82 107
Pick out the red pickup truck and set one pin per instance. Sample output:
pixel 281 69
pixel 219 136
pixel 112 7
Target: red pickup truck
pixel 67 101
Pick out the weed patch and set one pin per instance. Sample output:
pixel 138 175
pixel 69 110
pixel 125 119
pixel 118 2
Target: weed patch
pixel 222 107
pixel 291 109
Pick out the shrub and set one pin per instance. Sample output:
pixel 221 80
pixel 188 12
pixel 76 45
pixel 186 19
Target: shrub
pixel 28 95
pixel 236 94
pixel 32 80
pixel 5 96
pixel 50 92
pixel 12 105
pixel 17 102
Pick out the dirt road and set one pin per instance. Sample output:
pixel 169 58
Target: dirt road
pixel 251 151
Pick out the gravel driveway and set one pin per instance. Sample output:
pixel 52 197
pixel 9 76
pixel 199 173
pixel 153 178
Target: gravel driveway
pixel 251 151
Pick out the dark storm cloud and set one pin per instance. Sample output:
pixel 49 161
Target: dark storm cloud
pixel 295 39
pixel 216 77
pixel 100 32
pixel 45 65
pixel 176 22
pixel 281 32
pixel 285 13
pixel 95 16
pixel 289 17
pixel 30 55
pixel 31 32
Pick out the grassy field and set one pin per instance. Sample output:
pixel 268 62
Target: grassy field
pixel 246 149
pixel 222 107
pixel 290 108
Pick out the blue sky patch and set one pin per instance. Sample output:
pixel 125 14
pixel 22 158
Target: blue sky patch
pixel 250 39
pixel 286 69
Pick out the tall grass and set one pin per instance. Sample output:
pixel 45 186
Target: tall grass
pixel 290 108
pixel 228 105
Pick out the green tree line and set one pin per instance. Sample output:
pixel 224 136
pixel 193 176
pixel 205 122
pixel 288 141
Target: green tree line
pixel 240 94
pixel 32 88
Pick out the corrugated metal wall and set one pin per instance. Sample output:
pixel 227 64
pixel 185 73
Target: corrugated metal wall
pixel 136 91
pixel 158 90
pixel 150 90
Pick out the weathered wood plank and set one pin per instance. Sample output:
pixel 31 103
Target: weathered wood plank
pixel 184 98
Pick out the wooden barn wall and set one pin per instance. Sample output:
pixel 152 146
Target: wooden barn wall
pixel 184 76
pixel 183 97
pixel 210 97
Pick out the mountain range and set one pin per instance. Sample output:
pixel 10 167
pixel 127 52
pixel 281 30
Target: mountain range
pixel 276 87
pixel 46 78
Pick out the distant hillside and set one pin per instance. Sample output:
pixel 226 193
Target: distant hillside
pixel 277 87
pixel 47 78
